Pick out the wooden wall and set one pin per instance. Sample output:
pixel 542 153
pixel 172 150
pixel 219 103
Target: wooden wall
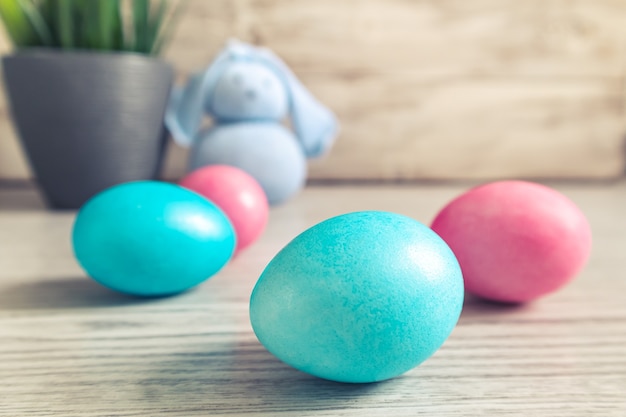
pixel 434 89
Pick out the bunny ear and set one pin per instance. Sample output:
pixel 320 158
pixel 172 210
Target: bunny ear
pixel 184 111
pixel 186 105
pixel 315 125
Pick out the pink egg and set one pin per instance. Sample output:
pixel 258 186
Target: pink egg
pixel 239 196
pixel 515 240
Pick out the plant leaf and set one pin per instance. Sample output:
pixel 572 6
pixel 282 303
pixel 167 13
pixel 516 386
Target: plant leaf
pixel 167 26
pixel 17 24
pixel 47 10
pixel 37 22
pixel 141 13
pixel 65 24
pixel 108 25
pixel 88 32
pixel 155 20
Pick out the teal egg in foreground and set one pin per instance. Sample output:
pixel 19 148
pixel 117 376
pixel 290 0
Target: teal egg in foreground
pixel 151 238
pixel 360 297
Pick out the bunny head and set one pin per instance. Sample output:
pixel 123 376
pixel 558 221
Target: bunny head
pixel 246 83
pixel 248 91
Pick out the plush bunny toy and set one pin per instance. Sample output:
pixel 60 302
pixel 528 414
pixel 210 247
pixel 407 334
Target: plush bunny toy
pixel 248 91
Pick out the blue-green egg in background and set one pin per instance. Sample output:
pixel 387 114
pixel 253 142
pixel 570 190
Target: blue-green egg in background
pixel 360 297
pixel 151 238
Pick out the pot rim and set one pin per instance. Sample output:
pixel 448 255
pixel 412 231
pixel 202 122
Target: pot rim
pixel 47 53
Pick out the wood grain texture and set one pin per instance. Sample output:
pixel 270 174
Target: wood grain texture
pixel 436 89
pixel 71 348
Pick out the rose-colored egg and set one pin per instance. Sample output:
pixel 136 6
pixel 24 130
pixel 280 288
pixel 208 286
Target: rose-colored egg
pixel 239 196
pixel 515 240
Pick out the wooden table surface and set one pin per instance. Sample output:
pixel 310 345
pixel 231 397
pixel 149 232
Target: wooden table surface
pixel 69 347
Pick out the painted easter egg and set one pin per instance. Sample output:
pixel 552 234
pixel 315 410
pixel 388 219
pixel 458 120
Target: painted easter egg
pixel 151 238
pixel 360 297
pixel 515 240
pixel 239 196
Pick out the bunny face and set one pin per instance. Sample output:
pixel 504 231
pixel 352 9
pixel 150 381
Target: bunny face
pixel 248 91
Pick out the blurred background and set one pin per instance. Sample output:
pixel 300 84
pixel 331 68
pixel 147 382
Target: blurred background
pixel 428 89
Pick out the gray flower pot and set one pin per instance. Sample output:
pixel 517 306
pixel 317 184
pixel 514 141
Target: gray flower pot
pixel 88 120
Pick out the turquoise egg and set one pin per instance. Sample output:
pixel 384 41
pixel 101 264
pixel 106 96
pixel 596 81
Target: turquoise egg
pixel 360 297
pixel 151 238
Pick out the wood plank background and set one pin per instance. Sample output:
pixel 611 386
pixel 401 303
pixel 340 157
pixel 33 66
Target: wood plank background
pixel 432 89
